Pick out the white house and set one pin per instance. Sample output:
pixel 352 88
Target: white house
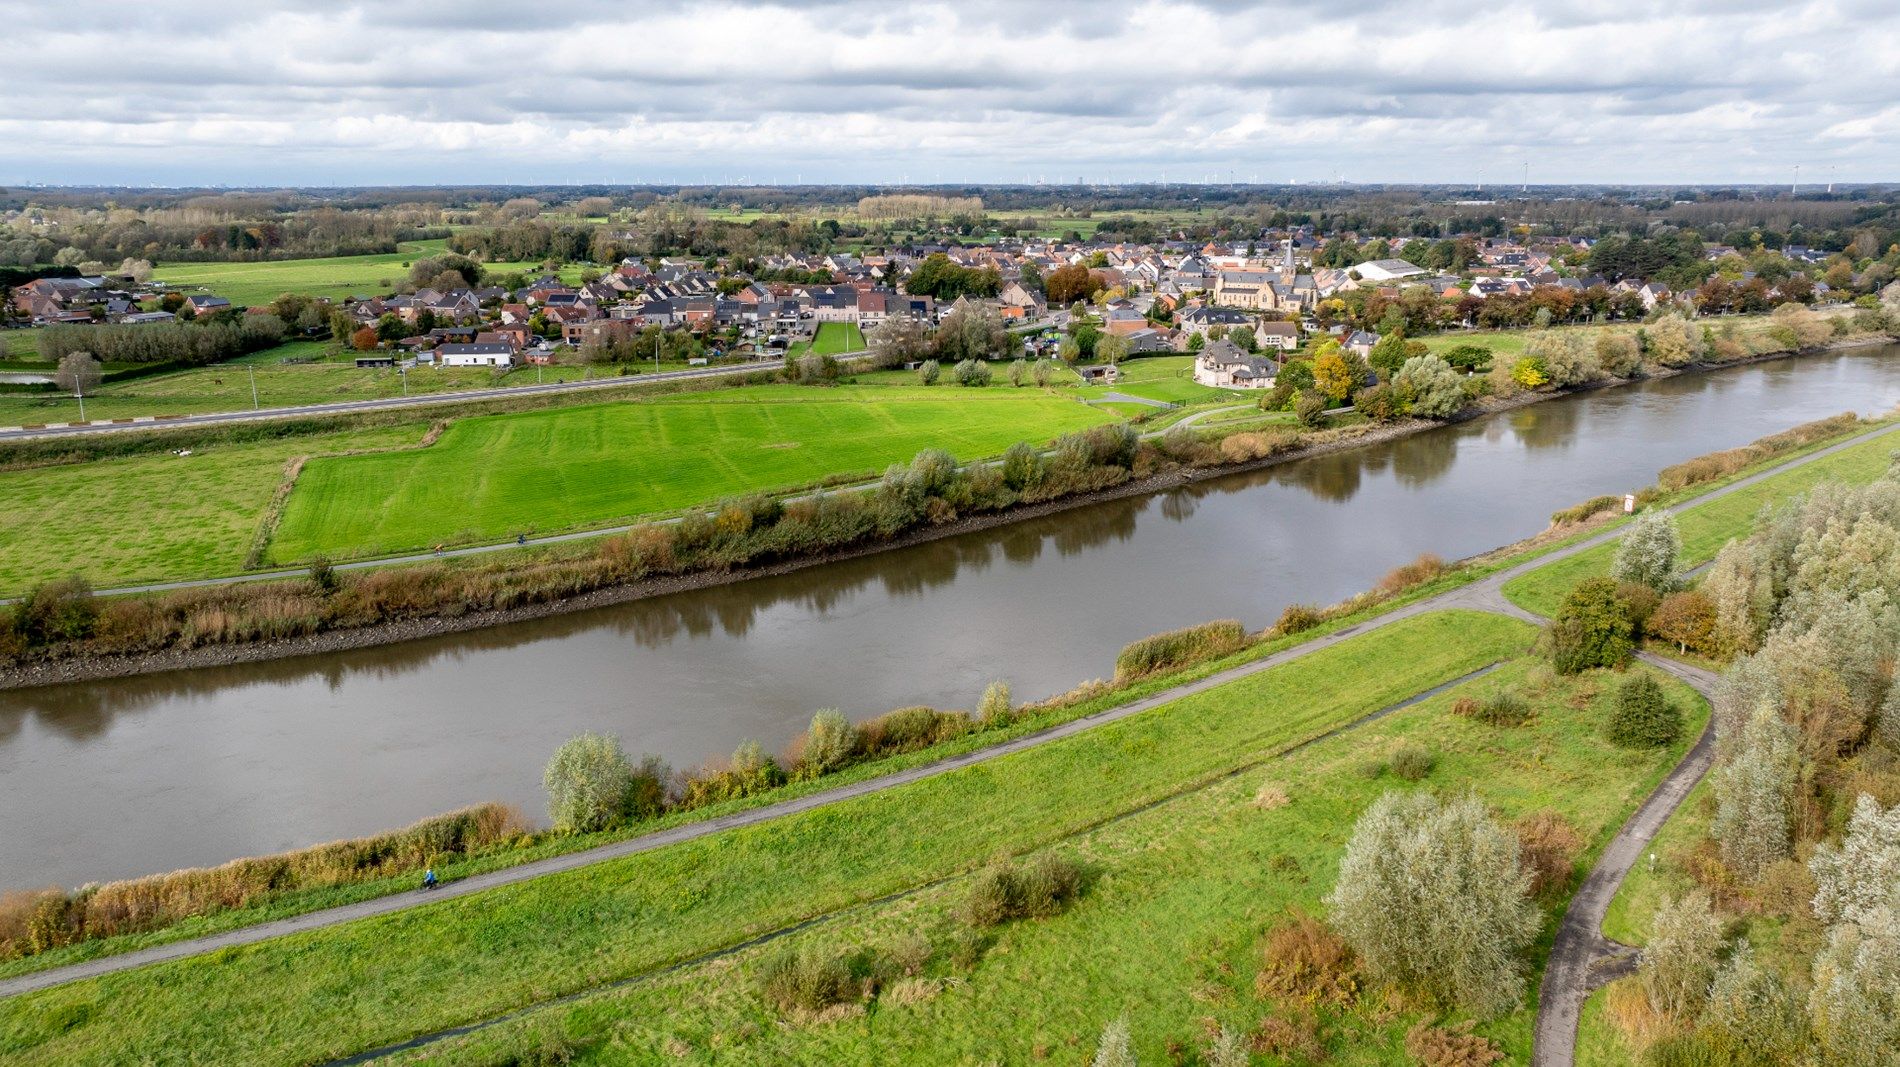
pixel 486 354
pixel 1225 365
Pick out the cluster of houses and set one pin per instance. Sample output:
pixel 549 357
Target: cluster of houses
pixel 1272 285
pixel 53 301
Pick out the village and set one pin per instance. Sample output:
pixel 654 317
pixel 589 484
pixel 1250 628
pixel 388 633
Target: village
pixel 1241 306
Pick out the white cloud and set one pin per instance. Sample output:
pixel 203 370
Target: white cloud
pixel 438 91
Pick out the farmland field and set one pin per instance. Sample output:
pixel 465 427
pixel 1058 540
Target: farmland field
pixel 150 518
pixel 336 277
pixel 227 387
pixel 589 465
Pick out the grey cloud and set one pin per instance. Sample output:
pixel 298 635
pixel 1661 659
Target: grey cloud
pixel 1603 89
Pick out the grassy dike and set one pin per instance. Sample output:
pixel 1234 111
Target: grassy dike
pixel 342 989
pixel 1706 527
pixel 1169 931
pixel 292 902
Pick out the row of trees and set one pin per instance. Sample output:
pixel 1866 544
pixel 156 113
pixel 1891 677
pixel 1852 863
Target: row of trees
pixel 192 343
pixel 1803 830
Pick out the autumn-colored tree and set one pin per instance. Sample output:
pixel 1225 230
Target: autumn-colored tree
pixel 1332 377
pixel 1074 282
pixel 1688 619
pixel 364 339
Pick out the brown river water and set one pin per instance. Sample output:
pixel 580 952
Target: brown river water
pixel 110 779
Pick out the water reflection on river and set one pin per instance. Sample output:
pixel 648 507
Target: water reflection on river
pixel 123 777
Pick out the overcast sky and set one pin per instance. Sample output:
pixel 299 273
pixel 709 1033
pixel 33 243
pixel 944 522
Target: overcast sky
pixel 254 92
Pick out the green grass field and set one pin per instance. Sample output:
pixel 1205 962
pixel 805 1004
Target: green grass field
pixel 20 344
pixel 1706 527
pixel 150 518
pixel 298 998
pixel 227 387
pixel 1167 931
pixel 252 284
pixel 832 339
pixel 595 464
pixel 1168 934
pixel 1168 378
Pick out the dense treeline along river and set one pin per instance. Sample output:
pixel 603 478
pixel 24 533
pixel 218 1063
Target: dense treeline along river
pixel 109 779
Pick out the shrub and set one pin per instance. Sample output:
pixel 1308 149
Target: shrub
pixel 1038 889
pixel 1679 961
pixel 928 371
pixel 1413 762
pixel 1589 509
pixel 60 610
pixel 1022 466
pixel 1592 629
pixel 1755 793
pixel 1440 1046
pixel 1646 555
pixel 1179 648
pixel 1298 618
pixel 586 782
pixel 1018 372
pixel 1377 402
pixel 1305 961
pixel 1310 409
pixel 1429 387
pixel 1548 847
pixel 994 709
pixel 806 980
pixel 909 729
pixel 1643 716
pixel 830 742
pixel 1686 618
pixel 1406 575
pixel 1499 709
pixel 973 372
pixel 323 575
pixel 1456 937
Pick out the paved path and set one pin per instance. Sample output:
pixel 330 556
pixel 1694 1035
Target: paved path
pixel 1126 398
pixel 1582 959
pixel 1484 594
pixel 147 422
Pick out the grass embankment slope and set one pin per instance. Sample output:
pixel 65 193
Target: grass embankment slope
pixel 1707 526
pixel 1169 932
pixel 300 998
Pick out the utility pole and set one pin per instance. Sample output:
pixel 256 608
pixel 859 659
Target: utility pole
pixel 79 390
pixel 252 367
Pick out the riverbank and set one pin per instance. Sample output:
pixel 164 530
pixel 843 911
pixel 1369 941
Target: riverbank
pixel 1476 585
pixel 95 666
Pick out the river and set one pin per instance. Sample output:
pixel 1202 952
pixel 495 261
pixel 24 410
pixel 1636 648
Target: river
pixel 117 778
